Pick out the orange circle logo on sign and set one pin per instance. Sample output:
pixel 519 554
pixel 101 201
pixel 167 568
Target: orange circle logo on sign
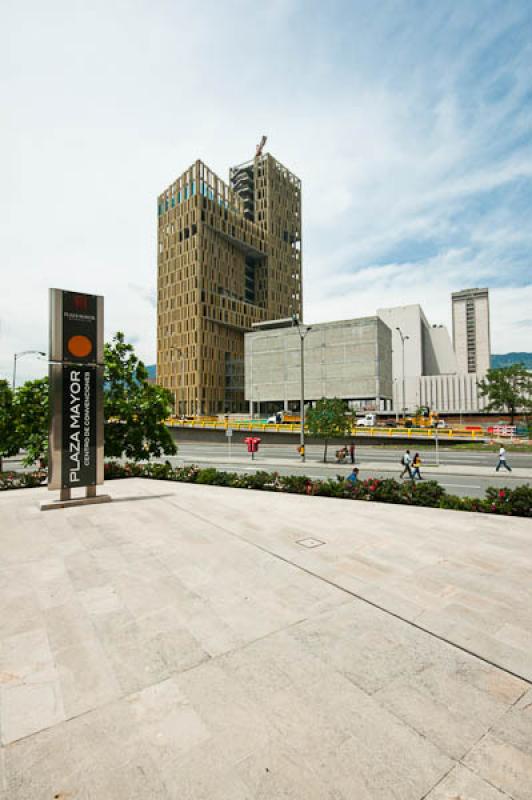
pixel 79 346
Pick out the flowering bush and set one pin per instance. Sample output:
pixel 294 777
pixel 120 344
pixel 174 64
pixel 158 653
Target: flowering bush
pixel 514 502
pixel 258 480
pixel 295 484
pixel 428 493
pixel 511 502
pixel 214 478
pixel 22 480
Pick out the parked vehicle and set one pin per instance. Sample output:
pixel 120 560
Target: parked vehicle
pixel 284 418
pixel 424 418
pixel 367 421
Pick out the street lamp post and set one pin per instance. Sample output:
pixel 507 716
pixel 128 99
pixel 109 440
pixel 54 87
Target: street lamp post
pixel 302 330
pixel 403 340
pixel 179 394
pixel 250 381
pixel 19 355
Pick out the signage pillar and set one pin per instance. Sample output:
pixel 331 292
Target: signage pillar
pixel 75 453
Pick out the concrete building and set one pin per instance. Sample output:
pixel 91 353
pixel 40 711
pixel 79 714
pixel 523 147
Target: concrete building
pixel 450 393
pixel 428 349
pixel 471 330
pixel 438 354
pixel 229 255
pixel 349 359
pixel 437 374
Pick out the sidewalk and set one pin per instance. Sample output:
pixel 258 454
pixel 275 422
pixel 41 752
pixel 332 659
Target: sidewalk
pixel 206 643
pixel 270 464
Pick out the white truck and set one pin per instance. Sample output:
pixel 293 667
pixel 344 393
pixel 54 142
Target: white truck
pixel 367 421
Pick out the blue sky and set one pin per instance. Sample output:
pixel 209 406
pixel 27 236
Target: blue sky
pixel 409 123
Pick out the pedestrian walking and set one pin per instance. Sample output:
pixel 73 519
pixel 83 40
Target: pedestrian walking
pixel 352 453
pixel 502 460
pixel 406 461
pixel 352 478
pixel 416 463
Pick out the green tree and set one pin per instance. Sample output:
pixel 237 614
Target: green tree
pixel 508 389
pixel 135 410
pixel 9 437
pixel 328 420
pixel 31 419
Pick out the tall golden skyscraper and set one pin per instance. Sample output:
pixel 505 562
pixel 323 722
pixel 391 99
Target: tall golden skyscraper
pixel 229 255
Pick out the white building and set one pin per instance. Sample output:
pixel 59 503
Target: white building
pixel 451 393
pixel 471 330
pixel 435 373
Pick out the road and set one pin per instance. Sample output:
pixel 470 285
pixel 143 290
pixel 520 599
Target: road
pixel 467 485
pixel 216 454
pixel 189 450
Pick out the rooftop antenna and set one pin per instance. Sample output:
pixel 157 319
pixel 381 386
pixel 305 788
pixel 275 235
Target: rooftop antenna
pixel 260 147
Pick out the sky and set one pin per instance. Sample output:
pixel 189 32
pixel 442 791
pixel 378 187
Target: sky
pixel 409 124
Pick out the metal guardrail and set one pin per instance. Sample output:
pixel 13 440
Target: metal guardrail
pixel 428 433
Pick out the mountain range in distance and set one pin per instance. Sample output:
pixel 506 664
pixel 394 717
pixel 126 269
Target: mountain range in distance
pixel 509 359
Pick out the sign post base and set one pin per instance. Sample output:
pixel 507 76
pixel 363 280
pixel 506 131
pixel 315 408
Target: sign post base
pixel 66 500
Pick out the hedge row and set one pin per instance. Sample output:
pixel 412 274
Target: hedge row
pixel 22 480
pixel 511 502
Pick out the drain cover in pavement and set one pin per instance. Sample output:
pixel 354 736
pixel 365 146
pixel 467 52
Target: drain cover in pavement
pixel 310 542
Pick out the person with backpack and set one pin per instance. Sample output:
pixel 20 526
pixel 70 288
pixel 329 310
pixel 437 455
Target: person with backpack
pixel 406 461
pixel 416 463
pixel 502 460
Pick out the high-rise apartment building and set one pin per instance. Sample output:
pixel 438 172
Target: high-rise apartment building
pixel 471 330
pixel 229 255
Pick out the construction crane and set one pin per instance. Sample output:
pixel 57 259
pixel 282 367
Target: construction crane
pixel 258 151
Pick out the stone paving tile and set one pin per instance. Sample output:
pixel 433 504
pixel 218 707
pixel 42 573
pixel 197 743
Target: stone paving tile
pixel 515 659
pixel 86 677
pixel 504 756
pixel 67 624
pixel 30 695
pixel 277 771
pixel 448 712
pixel 20 614
pixel 515 635
pixel 63 759
pixel 502 765
pixel 29 708
pixel 141 656
pixel 461 784
pixel 205 774
pixel 515 727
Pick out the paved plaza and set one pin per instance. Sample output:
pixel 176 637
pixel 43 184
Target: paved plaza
pixel 201 643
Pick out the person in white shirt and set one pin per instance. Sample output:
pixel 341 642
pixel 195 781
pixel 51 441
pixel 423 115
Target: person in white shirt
pixel 406 461
pixel 502 460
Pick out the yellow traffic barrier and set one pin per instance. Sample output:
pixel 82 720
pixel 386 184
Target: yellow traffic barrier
pixel 442 433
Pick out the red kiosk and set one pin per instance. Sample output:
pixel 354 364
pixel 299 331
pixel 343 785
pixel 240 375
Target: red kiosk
pixel 253 445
